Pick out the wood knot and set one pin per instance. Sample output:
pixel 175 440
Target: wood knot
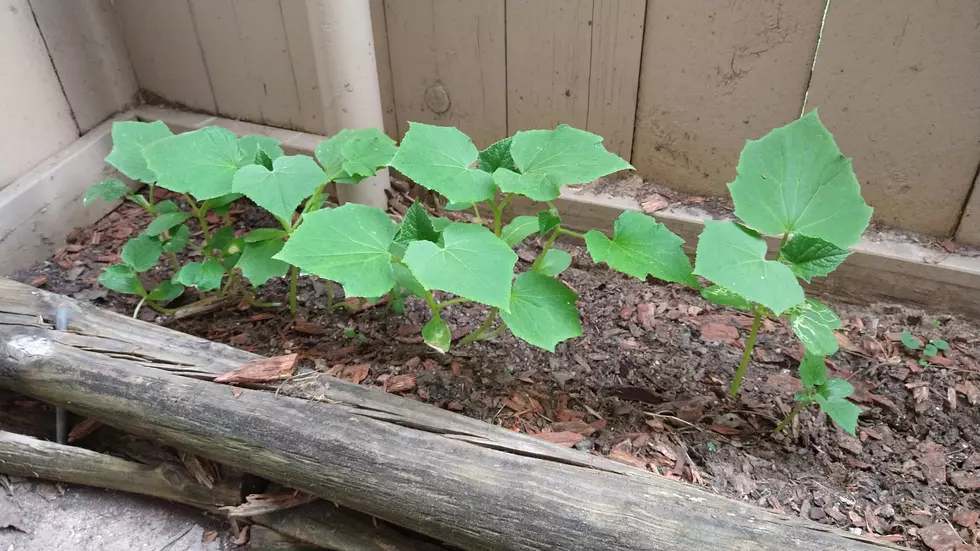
pixel 437 99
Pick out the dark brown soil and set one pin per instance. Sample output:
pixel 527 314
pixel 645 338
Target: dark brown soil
pixel 647 384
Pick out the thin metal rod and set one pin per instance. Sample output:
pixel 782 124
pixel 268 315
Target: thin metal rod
pixel 61 419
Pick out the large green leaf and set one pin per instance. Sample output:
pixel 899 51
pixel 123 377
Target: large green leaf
pixel 472 262
pixel 416 226
pixel 813 370
pixel 641 246
pixel 142 252
pixel 107 190
pixel 519 229
pixel 259 150
pixel 735 258
pixel 436 334
pixel 548 220
pixel 122 279
pixel 164 222
pixel 178 240
pixel 439 158
pixel 542 311
pixel 129 139
pixel 795 180
pixel 810 257
pixel 257 263
pixel 279 191
pixel 496 156
pixel 166 291
pixel 349 245
pixel 555 261
pixel 814 324
pixel 353 154
pixel 264 234
pixel 841 411
pixel 202 162
pixel 404 278
pixel 720 295
pixel 206 275
pixel 549 159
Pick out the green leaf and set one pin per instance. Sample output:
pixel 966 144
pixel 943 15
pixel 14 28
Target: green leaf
pixel 439 223
pixel 940 344
pixel 349 245
pixel 259 150
pixel 923 363
pixel 811 256
pixel 472 262
pixel 416 226
pixel 222 238
pixel 542 311
pixel 365 151
pixel 722 296
pixel 122 279
pixel 206 275
pixel 548 220
pixel 813 370
pixel 264 234
pixel 930 350
pixel 436 334
pixel 404 278
pixel 910 341
pixel 549 159
pixel 735 258
pixel 281 190
pixel 841 411
pixel 178 240
pixel 129 140
pixel 496 156
pixel 539 187
pixel 257 263
pixel 166 291
pixel 202 162
pixel 555 262
pixel 814 324
pixel 439 158
pixel 519 229
pixel 143 203
pixel 164 222
pixel 164 207
pixel 142 252
pixel 107 190
pixel 454 207
pixel 795 180
pixel 223 201
pixel 836 388
pixel 641 246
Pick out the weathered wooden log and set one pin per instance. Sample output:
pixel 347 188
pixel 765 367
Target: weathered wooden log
pixel 32 458
pixel 454 479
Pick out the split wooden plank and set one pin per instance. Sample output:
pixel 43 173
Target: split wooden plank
pixel 88 51
pixel 303 64
pixel 448 65
pixel 907 109
pixel 713 75
pixel 617 41
pixel 36 120
pixel 163 46
pixel 383 56
pixel 445 481
pixel 549 55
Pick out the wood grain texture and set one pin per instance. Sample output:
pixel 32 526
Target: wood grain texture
pixel 900 90
pixel 295 19
pixel 383 56
pixel 549 55
pixel 714 74
pixel 455 45
pixel 445 481
pixel 617 41
pixel 165 52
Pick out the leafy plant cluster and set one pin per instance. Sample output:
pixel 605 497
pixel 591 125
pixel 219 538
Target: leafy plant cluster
pixel 930 350
pixel 792 183
pixel 212 168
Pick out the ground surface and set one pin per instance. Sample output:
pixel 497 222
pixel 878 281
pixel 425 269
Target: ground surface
pixel 646 385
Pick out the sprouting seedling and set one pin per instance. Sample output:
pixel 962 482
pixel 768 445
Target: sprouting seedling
pixel 793 183
pixel 930 350
pixel 370 255
pixel 830 395
pixel 213 168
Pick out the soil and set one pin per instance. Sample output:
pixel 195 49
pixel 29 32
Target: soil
pixel 646 384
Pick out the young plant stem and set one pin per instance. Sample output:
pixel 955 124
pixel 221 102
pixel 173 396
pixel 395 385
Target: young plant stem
pixel 789 418
pixel 547 247
pixel 457 300
pixel 293 278
pixel 478 333
pixel 201 215
pixel 737 382
pixel 476 212
pixel 571 233
pixel 496 218
pixel 138 306
pixel 433 305
pixel 173 262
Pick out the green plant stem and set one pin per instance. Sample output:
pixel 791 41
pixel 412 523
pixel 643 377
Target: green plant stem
pixel 782 243
pixel 293 278
pixel 547 247
pixel 493 334
pixel 737 382
pixel 432 303
pixel 476 212
pixel 173 262
pixel 149 198
pixel 330 297
pixel 571 233
pixel 496 217
pixel 457 300
pixel 503 203
pixel 789 418
pixel 201 215
pixel 477 334
pixel 139 305
pixel 257 304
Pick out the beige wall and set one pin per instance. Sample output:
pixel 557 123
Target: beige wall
pixel 673 85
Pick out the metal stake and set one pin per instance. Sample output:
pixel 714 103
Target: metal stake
pixel 61 421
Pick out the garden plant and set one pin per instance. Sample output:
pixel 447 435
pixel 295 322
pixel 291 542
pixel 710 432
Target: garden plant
pixel 793 183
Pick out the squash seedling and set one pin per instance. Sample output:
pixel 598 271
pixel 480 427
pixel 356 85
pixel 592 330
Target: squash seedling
pixel 930 350
pixel 793 183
